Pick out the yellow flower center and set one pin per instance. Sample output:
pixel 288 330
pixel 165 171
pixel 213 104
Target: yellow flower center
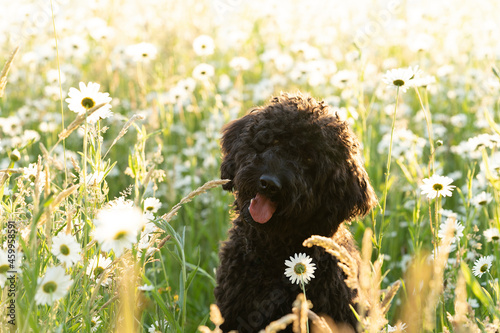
pixel 398 83
pixel 437 187
pixel 4 269
pixel 88 103
pixel 98 271
pixel 50 287
pixel 299 268
pixel 495 238
pixel 64 249
pixel 120 235
pixel 484 268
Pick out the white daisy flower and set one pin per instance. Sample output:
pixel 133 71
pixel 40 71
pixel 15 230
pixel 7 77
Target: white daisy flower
pixel 141 52
pixel 152 205
pixel 117 228
pixel 239 64
pixel 120 202
pixel 4 267
pixel 473 303
pixel 423 81
pixel 344 78
pixel 400 327
pixel 300 268
pixel 95 323
pixel 482 265
pixel 492 234
pixel 448 213
pixel 66 248
pixel 146 287
pixel 444 249
pixel 87 97
pixel 437 186
pixel 96 267
pixel 203 72
pixel 94 179
pixel 30 173
pixel 159 326
pixel 188 84
pixel 53 286
pixel 203 45
pixel 455 226
pixel 482 199
pixel 399 78
pixel 102 113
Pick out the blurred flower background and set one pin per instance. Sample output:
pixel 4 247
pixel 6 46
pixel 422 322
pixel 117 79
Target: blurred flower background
pixel 416 80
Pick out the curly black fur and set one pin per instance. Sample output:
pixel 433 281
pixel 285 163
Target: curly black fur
pixel 313 159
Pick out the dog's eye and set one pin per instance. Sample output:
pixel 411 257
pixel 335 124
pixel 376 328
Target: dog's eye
pixel 308 161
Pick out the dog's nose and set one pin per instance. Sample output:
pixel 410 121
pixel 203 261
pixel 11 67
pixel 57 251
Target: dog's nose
pixel 270 183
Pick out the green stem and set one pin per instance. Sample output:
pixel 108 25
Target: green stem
pixel 428 122
pixel 388 168
pixel 436 227
pixel 84 172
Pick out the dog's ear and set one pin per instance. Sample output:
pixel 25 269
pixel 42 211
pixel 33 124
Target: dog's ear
pixel 348 190
pixel 360 193
pixel 231 142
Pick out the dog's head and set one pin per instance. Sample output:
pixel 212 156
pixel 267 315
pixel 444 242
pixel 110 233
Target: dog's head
pixel 295 166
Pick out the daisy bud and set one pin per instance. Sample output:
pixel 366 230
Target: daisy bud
pixel 15 155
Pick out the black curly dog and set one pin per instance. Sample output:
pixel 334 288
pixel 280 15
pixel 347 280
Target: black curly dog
pixel 296 171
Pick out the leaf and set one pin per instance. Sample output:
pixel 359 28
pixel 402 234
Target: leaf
pixel 481 294
pixel 163 307
pixel 194 271
pixel 202 272
pixel 491 122
pixel 495 71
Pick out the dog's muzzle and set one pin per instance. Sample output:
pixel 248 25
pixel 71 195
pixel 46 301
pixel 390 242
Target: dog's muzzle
pixel 262 207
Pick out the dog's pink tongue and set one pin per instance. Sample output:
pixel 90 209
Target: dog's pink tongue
pixel 261 208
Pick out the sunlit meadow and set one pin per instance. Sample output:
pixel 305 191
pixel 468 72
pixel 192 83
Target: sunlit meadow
pixel 111 113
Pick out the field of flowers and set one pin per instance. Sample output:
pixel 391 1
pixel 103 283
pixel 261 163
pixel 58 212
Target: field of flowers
pixel 110 116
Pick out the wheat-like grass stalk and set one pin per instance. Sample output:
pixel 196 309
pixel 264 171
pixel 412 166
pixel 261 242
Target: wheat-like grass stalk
pixel 202 189
pixel 370 309
pixel 11 171
pixel 461 323
pixel 301 308
pixel 124 130
pixel 80 119
pixel 215 315
pixel 363 277
pixel 346 262
pixel 5 71
pixel 388 296
pixel 37 182
pixel 173 211
pixel 436 283
pixel 216 318
pixel 57 201
pixel 126 321
pixel 280 324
